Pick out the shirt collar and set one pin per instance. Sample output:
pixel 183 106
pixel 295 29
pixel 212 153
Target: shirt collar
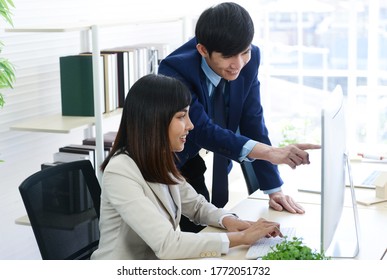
pixel 210 74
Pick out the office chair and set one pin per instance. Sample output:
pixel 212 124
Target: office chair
pixel 250 177
pixel 63 206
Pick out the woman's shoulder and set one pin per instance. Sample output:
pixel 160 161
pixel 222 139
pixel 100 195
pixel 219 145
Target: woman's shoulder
pixel 121 157
pixel 121 163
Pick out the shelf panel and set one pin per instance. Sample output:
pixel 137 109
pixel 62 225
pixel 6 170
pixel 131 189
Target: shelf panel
pixel 43 29
pixel 83 26
pixel 58 123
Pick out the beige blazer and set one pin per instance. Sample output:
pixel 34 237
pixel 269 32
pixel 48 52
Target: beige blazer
pixel 138 222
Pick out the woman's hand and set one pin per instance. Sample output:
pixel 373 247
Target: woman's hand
pixel 232 223
pixel 256 230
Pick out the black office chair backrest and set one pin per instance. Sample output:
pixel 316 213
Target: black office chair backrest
pixel 63 206
pixel 251 179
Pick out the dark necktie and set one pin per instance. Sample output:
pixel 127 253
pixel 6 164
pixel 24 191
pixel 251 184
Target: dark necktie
pixel 220 164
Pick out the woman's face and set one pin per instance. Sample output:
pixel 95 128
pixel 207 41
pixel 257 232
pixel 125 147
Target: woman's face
pixel 178 129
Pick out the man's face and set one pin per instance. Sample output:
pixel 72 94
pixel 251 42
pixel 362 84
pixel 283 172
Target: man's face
pixel 228 67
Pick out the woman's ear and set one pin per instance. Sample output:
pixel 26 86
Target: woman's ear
pixel 202 50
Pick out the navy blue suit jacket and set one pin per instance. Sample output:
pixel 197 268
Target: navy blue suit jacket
pixel 245 111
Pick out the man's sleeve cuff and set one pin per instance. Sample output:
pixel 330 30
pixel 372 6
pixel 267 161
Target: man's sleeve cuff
pixel 272 190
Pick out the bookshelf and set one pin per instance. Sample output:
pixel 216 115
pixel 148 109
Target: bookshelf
pixel 59 124
pixel 65 124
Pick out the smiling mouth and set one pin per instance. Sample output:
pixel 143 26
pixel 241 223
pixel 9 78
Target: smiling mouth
pixel 233 72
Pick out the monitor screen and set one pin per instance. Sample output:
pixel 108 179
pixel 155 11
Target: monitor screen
pixel 333 172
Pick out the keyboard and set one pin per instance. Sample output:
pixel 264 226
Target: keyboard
pixel 364 178
pixel 264 245
pixel 370 180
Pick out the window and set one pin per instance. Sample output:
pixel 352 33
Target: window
pixel 308 47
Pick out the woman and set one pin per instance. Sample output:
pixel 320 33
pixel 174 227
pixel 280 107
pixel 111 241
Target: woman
pixel 143 193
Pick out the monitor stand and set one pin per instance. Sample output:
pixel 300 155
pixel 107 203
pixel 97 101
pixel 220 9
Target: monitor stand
pixel 346 242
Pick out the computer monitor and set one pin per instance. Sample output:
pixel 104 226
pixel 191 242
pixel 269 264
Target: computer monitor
pixel 334 164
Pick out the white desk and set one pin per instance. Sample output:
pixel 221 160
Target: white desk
pixel 313 198
pixel 372 218
pixel 373 226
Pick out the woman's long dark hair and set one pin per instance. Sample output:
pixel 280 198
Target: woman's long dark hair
pixel 143 133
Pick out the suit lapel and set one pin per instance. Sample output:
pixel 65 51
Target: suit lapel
pixel 175 193
pixel 164 202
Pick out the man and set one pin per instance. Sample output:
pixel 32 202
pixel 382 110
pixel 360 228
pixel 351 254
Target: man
pixel 222 50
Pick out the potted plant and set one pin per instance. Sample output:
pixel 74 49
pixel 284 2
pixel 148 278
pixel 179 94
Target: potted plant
pixel 293 249
pixel 7 70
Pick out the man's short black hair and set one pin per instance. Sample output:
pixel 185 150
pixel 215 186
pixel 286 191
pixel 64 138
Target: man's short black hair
pixel 226 28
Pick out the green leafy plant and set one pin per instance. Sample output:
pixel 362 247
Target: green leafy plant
pixel 7 70
pixel 297 130
pixel 293 249
pixel 289 134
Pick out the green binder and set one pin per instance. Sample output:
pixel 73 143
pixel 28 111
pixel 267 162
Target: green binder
pixel 76 78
